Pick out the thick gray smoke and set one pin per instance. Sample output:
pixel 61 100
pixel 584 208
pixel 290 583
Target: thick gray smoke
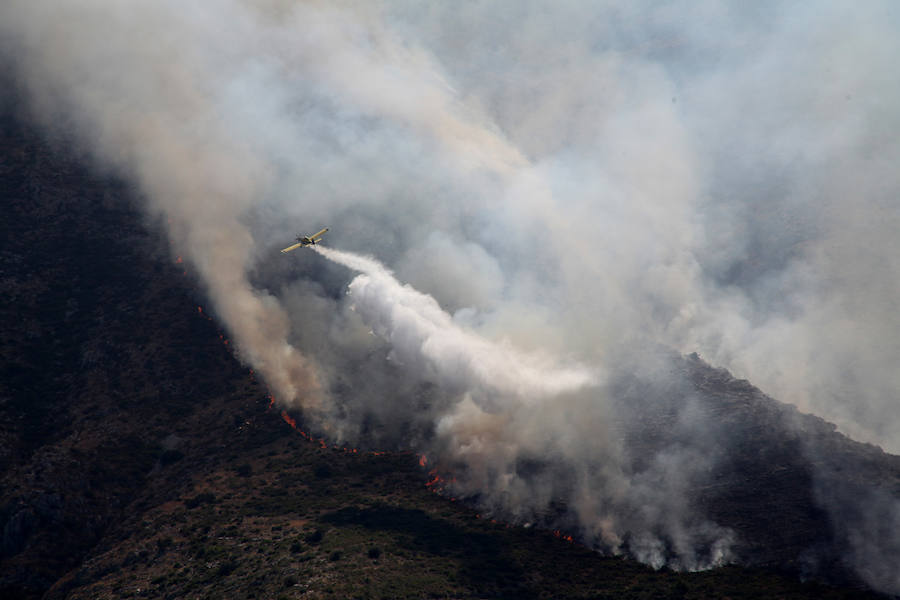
pixel 556 183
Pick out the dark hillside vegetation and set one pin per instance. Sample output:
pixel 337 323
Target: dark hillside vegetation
pixel 139 459
pixel 787 484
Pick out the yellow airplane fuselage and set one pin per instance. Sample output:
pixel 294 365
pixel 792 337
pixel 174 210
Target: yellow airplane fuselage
pixel 306 241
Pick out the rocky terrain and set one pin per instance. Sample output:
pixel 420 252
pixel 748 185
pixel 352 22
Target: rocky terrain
pixel 139 458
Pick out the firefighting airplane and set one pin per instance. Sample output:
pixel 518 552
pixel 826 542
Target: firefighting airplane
pixel 302 241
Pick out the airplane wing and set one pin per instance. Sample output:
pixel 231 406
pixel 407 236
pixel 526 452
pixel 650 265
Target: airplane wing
pixel 294 247
pixel 316 236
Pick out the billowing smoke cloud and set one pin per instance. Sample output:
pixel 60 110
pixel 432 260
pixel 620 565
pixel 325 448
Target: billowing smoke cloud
pixel 556 184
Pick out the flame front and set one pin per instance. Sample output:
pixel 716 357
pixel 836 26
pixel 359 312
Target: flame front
pixel 289 419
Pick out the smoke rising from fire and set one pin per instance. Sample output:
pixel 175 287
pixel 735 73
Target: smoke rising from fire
pixel 503 407
pixel 557 184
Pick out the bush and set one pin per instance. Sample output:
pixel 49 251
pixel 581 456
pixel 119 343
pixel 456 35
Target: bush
pixel 315 537
pixel 374 553
pixel 204 498
pixel 170 456
pixel 335 556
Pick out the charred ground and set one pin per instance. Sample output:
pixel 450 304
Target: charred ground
pixel 138 458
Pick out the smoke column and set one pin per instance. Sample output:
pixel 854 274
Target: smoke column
pixel 559 185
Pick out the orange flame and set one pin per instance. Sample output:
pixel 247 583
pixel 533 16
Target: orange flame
pixel 423 460
pixel 289 420
pixel 345 449
pixel 558 533
pixel 178 261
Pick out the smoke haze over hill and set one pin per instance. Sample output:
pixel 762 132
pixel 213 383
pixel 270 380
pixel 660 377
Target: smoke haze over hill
pixel 548 190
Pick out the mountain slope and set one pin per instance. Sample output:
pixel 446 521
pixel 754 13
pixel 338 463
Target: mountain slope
pixel 797 494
